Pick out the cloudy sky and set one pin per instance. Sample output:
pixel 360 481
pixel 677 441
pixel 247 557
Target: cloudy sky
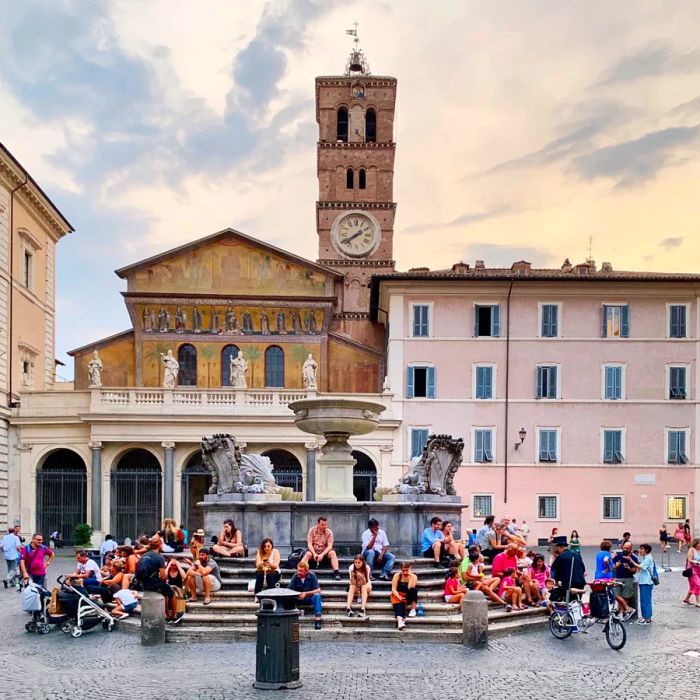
pixel 523 128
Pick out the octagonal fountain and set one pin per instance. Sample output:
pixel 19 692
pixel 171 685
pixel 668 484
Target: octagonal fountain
pixel 336 419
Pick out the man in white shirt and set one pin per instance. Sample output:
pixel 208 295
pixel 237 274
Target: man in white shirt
pixel 109 545
pixel 10 548
pixel 375 549
pixel 88 574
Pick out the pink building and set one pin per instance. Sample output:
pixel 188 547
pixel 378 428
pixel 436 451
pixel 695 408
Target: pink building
pixel 574 390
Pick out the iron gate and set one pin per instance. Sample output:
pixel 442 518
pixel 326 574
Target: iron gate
pixel 196 481
pixel 290 477
pixel 136 502
pixel 61 501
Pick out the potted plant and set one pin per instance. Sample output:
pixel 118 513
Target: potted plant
pixel 82 535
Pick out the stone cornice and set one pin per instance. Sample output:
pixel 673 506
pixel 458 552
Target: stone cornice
pixel 355 205
pixel 358 145
pixel 12 174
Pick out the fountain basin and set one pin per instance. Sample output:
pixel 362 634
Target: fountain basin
pixel 334 415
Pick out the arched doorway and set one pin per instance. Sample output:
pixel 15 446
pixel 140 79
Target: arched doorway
pixel 136 491
pixel 196 481
pixel 364 477
pixel 61 494
pixel 286 469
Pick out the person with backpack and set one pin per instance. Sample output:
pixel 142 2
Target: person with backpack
pixel 33 560
pixel 151 575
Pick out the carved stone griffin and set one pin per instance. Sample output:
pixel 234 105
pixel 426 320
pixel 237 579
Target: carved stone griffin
pixel 433 472
pixel 233 472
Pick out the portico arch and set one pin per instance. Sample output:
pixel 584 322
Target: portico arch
pixel 286 469
pixel 364 476
pixel 195 481
pixel 61 493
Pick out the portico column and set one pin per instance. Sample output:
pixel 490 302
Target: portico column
pixel 96 484
pixel 311 449
pixel 168 479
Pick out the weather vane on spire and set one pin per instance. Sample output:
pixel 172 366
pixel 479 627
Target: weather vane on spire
pixel 357 63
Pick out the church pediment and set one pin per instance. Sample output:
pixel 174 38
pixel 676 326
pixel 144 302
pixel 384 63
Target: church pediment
pixel 229 263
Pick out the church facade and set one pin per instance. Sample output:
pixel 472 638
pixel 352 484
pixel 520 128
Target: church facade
pixel 239 318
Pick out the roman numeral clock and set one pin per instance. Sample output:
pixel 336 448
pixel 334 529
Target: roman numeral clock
pixel 356 234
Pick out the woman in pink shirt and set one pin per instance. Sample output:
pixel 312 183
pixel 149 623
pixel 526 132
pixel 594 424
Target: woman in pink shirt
pixel 509 592
pixel 539 572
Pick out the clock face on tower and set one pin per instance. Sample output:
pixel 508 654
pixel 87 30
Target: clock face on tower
pixel 355 234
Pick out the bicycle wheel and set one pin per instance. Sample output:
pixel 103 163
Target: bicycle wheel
pixel 561 624
pixel 615 633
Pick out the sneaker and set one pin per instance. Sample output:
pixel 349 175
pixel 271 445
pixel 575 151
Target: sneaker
pixel 317 624
pixel 4 583
pixel 412 613
pixel 362 614
pixel 350 613
pixel 401 624
pixel 509 607
pixel 384 577
pixel 629 614
pixel 642 622
pixel 371 578
pixel 177 619
pixel 336 575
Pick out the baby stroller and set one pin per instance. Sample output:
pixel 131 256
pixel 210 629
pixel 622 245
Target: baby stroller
pixel 35 600
pixel 79 612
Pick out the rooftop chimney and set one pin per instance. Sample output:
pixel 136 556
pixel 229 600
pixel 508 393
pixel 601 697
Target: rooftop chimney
pixel 521 267
pixel 461 268
pixel 607 267
pixel 479 265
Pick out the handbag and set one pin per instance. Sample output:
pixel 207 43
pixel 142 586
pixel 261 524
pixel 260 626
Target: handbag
pixel 655 576
pixel 687 572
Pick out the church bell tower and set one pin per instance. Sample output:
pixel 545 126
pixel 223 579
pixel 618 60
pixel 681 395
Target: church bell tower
pixel 355 159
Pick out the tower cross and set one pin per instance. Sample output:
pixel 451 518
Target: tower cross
pixel 354 33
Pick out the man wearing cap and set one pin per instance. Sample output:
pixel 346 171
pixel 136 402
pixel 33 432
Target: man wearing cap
pixel 568 569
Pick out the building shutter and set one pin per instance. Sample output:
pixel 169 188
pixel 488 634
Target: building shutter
pixel 624 321
pixel 495 320
pixel 604 321
pixel 409 382
pixel 431 382
pixel 488 382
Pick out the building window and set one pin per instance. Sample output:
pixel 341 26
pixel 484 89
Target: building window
pixel 421 383
pixel 483 388
pixel 274 366
pixel 349 179
pixel 27 367
pixel 612 382
pixel 676 452
pixel 547 381
pixel 342 125
pixel 550 321
pixel 419 438
pixel 421 320
pixel 487 320
pixel 677 383
pixel 27 271
pixel 362 179
pixel 616 321
pixel 677 320
pixel 370 126
pixel 483 445
pixel 187 357
pixel 482 505
pixel 548 507
pixel 612 447
pixel 612 507
pixel 676 507
pixel 548 449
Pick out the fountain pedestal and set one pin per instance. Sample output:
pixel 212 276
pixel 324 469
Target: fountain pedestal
pixel 334 470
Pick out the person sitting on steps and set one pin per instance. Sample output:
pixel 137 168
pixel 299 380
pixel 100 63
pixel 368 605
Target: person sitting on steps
pixel 359 585
pixel 229 542
pixel 404 592
pixel 320 544
pixel 267 566
pixel 375 549
pixel 432 544
pixel 305 583
pixel 203 575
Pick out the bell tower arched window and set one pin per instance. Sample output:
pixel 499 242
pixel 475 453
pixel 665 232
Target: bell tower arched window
pixel 370 126
pixel 362 179
pixel 350 179
pixel 187 357
pixel 274 366
pixel 342 125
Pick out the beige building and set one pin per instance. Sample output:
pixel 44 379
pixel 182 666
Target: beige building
pixel 30 227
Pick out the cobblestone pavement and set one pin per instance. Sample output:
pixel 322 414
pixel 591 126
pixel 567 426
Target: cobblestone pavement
pixel 99 665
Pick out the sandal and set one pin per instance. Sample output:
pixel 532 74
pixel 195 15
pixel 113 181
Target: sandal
pixel 207 601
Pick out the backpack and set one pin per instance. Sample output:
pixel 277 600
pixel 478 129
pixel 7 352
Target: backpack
pixel 293 559
pixel 147 568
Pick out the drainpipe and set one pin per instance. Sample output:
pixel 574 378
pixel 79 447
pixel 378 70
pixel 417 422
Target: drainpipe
pixel 506 438
pixel 10 305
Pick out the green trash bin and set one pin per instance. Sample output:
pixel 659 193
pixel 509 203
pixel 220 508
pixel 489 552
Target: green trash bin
pixel 277 650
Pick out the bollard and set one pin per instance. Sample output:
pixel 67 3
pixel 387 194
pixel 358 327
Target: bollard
pixel 152 619
pixel 475 619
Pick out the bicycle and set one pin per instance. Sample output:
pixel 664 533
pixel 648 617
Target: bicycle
pixel 571 616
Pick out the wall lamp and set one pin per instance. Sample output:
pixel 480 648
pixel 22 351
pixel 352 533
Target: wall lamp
pixel 522 434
